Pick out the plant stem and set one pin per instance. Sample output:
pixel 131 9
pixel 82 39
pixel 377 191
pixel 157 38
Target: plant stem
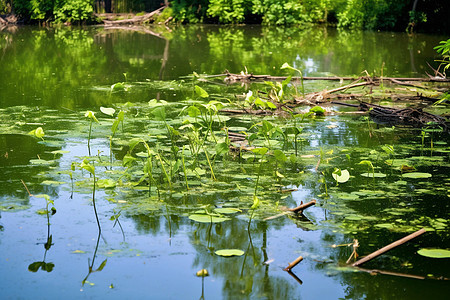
pixel 89 138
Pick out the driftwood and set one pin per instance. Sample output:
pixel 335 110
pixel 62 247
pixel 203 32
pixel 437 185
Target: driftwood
pixel 300 208
pixel 407 116
pixel 388 247
pixel 134 20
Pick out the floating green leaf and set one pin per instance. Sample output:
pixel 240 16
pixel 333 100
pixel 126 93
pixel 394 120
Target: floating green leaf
pixel 107 110
pixel 372 175
pixel 207 218
pixel 343 177
pixel 417 175
pixel 434 253
pixel 227 210
pixel 229 252
pixel 118 87
pixel 106 183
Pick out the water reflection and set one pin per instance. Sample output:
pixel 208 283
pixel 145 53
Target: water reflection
pixel 91 263
pixel 66 67
pixel 43 265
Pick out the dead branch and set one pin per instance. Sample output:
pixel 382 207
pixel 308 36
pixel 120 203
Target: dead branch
pixel 300 208
pixel 388 247
pixel 293 264
pixel 135 19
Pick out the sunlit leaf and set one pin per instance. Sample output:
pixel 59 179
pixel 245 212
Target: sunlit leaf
pixel 417 175
pixel 434 253
pixel 229 252
pixel 227 210
pixel 343 177
pixel 256 202
pixel 372 175
pixel 279 155
pixel 107 110
pixel 118 87
pixel 201 92
pixel 207 218
pixel 88 167
pixel 159 113
pixel 106 183
pixel 91 115
pixel 260 151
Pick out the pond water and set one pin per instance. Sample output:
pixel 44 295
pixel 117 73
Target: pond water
pixel 168 192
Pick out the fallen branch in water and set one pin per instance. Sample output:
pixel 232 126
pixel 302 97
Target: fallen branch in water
pixel 301 207
pixel 388 247
pixel 293 264
pixel 298 210
pixel 136 19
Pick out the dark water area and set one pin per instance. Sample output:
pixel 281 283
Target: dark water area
pixel 154 236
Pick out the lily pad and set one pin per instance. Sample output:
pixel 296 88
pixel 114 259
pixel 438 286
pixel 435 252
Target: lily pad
pixel 229 252
pixel 207 218
pixel 227 210
pixel 372 175
pixel 417 175
pixel 52 182
pixel 106 183
pixel 434 253
pixel 344 177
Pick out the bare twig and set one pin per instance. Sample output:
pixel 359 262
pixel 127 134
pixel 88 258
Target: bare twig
pixel 389 247
pixel 301 207
pixel 293 264
pixel 26 188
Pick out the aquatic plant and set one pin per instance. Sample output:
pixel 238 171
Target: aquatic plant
pixel 91 116
pixel 302 87
pixel 38 132
pixel 91 169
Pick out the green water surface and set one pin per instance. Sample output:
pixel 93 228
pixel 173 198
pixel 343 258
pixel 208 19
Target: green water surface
pixel 50 77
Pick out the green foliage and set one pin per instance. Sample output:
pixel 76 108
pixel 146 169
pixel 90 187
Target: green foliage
pixel 73 10
pixel 444 49
pixel 372 14
pixel 189 11
pixel 229 11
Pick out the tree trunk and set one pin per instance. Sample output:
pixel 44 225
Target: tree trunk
pixel 108 6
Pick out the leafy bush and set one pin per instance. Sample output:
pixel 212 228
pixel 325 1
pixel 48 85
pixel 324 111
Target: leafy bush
pixel 373 14
pixel 229 11
pixel 73 10
pixel 444 49
pixel 189 11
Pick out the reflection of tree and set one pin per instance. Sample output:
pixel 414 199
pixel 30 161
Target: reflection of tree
pixel 16 151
